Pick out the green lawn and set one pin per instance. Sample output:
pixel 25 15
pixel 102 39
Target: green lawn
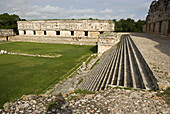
pixel 32 75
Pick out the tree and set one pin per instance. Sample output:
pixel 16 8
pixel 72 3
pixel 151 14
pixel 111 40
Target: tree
pixel 128 25
pixel 139 25
pixel 9 21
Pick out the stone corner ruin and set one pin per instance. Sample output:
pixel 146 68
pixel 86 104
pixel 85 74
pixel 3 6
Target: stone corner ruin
pixel 158 18
pixel 6 32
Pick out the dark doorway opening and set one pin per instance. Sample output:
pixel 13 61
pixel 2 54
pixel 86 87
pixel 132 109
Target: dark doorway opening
pixel 24 32
pixel 160 26
pixel 168 27
pixel 72 33
pixel 57 32
pixel 45 33
pixel 34 32
pixel 101 32
pixel 154 28
pixel 86 33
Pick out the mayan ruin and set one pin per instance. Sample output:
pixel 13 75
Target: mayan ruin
pixel 157 21
pixel 65 28
pixel 90 57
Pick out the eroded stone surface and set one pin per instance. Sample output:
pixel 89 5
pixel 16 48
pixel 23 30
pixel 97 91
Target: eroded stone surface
pixel 157 20
pixel 106 102
pixel 65 28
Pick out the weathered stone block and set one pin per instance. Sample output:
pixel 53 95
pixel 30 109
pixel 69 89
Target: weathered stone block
pixel 79 27
pixel 157 21
pixel 6 32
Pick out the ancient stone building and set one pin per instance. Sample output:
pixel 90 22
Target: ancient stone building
pixel 106 41
pixel 6 32
pixel 158 18
pixel 65 28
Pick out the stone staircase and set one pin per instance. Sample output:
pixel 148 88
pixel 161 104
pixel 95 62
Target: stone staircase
pixel 59 40
pixel 122 65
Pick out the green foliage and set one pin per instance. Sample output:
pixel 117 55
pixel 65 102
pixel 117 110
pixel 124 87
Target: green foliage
pixel 165 95
pixel 9 21
pixel 32 75
pixel 118 45
pixel 91 19
pixel 125 88
pixel 128 25
pixel 80 81
pixel 52 105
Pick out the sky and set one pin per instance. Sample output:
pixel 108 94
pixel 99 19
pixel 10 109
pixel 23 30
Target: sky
pixel 76 9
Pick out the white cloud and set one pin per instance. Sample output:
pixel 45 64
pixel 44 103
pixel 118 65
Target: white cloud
pixel 81 11
pixel 121 11
pixel 51 9
pixel 106 4
pixel 143 6
pixel 106 11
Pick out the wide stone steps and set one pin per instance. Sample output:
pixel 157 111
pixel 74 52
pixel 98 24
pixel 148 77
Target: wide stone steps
pixel 124 66
pixel 52 39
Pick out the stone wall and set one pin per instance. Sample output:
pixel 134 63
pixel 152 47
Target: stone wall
pixel 106 41
pixel 6 32
pixel 65 28
pixel 158 18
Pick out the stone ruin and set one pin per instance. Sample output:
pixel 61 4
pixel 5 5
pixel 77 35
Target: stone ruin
pixel 158 18
pixel 6 32
pixel 106 41
pixel 65 28
pixel 122 65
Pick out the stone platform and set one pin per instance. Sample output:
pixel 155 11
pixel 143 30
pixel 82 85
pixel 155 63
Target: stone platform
pixel 122 65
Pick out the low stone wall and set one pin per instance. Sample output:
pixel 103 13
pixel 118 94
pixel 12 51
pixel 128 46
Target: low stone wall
pixel 106 41
pixel 59 40
pixel 6 32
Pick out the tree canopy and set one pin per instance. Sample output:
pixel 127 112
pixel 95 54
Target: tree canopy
pixel 128 25
pixel 123 25
pixel 9 21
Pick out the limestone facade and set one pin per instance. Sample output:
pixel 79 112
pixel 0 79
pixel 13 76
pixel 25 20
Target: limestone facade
pixel 106 41
pixel 6 32
pixel 65 28
pixel 158 18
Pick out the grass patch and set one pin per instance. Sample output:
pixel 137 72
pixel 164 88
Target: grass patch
pixel 32 75
pixel 165 95
pixel 126 88
pixel 118 45
pixel 80 81
pixel 52 105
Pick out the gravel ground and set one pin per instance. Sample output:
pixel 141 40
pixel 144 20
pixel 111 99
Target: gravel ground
pixel 156 51
pixel 110 101
pixel 120 101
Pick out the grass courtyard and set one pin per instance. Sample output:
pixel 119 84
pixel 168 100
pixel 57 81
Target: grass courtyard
pixel 21 75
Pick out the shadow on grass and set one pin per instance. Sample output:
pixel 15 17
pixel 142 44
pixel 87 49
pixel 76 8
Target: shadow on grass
pixel 94 49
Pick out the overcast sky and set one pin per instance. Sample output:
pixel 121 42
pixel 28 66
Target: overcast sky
pixel 77 9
